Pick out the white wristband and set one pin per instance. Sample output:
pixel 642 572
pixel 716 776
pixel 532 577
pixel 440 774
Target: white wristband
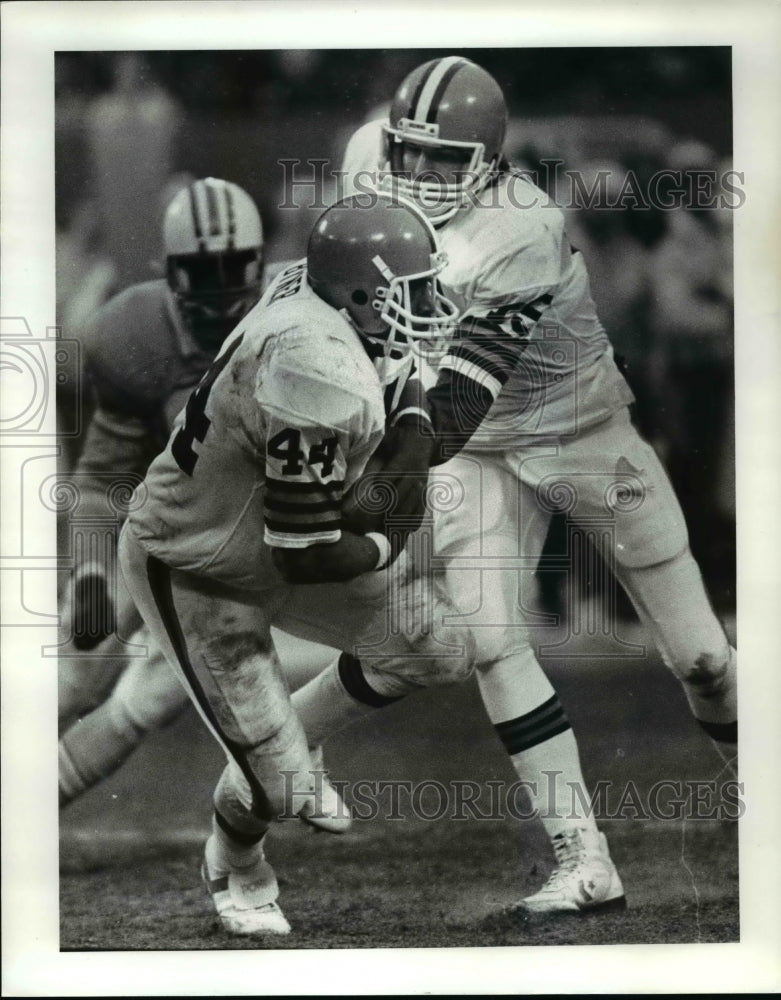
pixel 383 544
pixel 422 414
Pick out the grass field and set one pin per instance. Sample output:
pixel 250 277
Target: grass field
pixel 130 850
pixel 426 885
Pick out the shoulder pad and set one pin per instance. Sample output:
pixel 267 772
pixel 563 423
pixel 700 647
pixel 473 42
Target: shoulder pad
pixel 131 347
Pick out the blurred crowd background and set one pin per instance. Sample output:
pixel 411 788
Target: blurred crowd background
pixel 132 128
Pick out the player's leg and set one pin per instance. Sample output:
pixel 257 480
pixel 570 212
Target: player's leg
pixel 147 696
pixel 520 701
pixel 301 660
pixel 349 617
pixel 219 643
pixel 652 561
pixel 86 678
pixel 480 607
pixel 672 604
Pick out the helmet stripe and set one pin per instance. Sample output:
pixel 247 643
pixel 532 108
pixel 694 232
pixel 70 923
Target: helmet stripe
pixel 418 89
pixel 443 70
pixel 196 217
pixel 213 209
pixel 231 216
pixel 440 91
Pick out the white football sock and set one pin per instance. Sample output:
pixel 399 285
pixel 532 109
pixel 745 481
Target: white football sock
pixel 537 735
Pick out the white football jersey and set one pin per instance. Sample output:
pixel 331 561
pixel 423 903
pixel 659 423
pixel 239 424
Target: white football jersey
pixel 529 332
pixel 277 430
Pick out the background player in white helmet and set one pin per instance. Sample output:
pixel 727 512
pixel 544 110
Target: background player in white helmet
pixel 239 528
pixel 532 413
pixel 145 351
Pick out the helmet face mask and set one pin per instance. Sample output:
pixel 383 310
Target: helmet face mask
pixel 444 137
pixel 439 176
pixel 412 306
pixel 378 265
pixel 213 241
pixel 214 291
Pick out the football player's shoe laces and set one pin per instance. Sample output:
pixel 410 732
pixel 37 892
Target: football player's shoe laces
pixel 584 878
pixel 245 898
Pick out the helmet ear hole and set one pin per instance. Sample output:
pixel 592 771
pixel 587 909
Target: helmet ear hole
pixel 359 297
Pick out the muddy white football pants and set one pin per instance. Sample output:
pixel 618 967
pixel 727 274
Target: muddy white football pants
pixel 611 484
pixel 218 640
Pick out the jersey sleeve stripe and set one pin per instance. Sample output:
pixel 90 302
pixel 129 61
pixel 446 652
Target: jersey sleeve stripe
pixel 489 363
pixel 535 309
pixel 475 372
pixel 303 518
pixel 313 506
pixel 305 528
pixel 490 327
pixel 298 488
pixel 284 540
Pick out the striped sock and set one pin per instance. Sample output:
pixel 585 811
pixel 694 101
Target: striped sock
pixel 528 731
pixel 539 740
pixel 544 753
pixel 335 698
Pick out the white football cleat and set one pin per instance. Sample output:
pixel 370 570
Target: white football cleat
pixel 245 898
pixel 326 809
pixel 584 880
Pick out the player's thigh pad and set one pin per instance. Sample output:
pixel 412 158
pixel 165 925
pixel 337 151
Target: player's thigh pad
pixel 611 481
pixel 218 642
pixel 488 537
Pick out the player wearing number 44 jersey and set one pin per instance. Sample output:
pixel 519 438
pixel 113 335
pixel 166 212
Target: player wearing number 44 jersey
pixel 146 349
pixel 532 413
pixel 238 525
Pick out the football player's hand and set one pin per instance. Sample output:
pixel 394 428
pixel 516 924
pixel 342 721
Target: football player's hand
pixel 92 610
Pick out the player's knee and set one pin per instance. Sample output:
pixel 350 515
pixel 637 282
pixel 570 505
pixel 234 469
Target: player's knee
pixel 450 654
pixel 444 656
pixel 710 673
pixel 494 644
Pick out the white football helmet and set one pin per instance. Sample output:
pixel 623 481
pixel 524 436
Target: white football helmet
pixel 213 240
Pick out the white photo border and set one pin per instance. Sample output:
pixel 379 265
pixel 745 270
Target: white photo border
pixel 32 33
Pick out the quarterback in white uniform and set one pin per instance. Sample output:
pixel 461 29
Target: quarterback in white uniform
pixel 238 525
pixel 531 416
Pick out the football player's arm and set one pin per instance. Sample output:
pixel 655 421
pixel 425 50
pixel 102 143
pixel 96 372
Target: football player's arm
pixel 399 467
pixel 489 342
pixel 351 556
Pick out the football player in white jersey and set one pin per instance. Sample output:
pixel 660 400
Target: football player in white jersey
pixel 531 416
pixel 237 526
pixel 146 349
